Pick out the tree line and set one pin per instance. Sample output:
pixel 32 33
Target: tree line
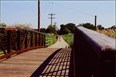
pixel 71 27
pixel 68 28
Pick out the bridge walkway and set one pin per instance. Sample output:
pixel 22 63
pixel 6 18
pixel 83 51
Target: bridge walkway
pixel 51 61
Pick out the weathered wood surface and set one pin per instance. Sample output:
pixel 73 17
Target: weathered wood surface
pixel 23 65
pixel 56 65
pixel 102 40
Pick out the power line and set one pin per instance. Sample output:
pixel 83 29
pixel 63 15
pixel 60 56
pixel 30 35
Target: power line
pixel 51 17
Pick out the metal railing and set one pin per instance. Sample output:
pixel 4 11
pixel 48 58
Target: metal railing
pixel 94 54
pixel 15 41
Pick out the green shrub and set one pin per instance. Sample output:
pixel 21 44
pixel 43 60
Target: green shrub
pixel 69 38
pixel 50 39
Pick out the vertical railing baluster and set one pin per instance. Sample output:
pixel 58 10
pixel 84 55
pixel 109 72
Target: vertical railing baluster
pixel 18 40
pixel 26 39
pixel 8 41
pixel 39 39
pixel 44 40
pixel 35 39
pixel 31 35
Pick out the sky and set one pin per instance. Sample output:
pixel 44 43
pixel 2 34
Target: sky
pixel 26 12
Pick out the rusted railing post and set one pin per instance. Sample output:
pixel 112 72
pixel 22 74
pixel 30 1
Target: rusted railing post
pixel 18 40
pixel 39 39
pixel 35 39
pixel 26 39
pixel 8 42
pixel 31 34
pixel 44 40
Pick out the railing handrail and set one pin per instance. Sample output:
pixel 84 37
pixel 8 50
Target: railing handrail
pixel 94 54
pixel 19 29
pixel 102 41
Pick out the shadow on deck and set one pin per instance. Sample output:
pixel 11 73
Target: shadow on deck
pixel 57 64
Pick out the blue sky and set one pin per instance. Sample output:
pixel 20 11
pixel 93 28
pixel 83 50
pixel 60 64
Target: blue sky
pixel 25 12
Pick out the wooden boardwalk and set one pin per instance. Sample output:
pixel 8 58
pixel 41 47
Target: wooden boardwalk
pixel 57 65
pixel 45 62
pixel 23 65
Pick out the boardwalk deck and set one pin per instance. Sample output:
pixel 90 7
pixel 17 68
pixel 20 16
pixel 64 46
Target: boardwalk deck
pixel 52 61
pixel 57 65
pixel 23 65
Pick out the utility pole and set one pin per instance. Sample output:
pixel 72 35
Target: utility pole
pixel 95 22
pixel 51 17
pixel 38 15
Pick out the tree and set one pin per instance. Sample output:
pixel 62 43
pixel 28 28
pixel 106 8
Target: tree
pixel 113 27
pixel 43 30
pixel 51 29
pixel 100 27
pixel 2 25
pixel 63 29
pixel 88 25
pixel 71 26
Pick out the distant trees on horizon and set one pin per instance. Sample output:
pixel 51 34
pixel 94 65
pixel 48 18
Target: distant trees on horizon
pixel 3 25
pixel 64 28
pixel 70 28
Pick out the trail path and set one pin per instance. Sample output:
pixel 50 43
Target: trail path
pixel 61 43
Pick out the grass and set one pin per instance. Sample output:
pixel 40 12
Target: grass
pixel 50 39
pixel 108 32
pixel 1 53
pixel 69 38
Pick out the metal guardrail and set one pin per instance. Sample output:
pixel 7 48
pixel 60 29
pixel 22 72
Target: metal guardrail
pixel 15 41
pixel 94 54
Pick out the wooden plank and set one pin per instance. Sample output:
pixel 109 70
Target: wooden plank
pixel 23 65
pixel 56 65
